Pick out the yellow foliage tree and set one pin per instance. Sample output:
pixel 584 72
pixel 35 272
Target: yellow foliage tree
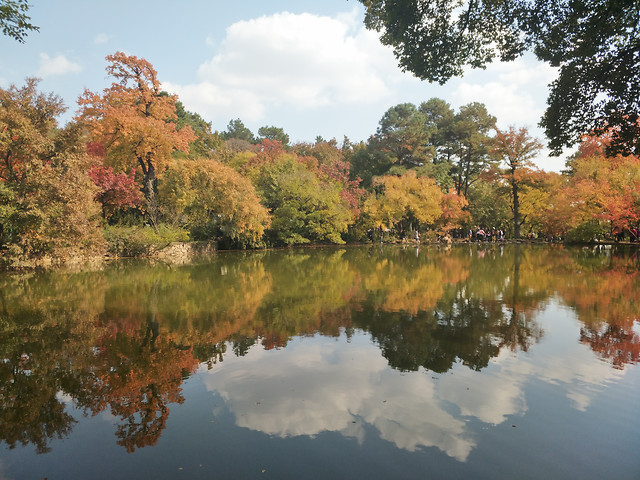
pixel 404 202
pixel 215 201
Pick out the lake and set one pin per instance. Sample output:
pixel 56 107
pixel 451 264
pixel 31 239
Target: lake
pixel 473 361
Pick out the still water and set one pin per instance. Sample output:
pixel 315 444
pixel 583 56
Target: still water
pixel 470 362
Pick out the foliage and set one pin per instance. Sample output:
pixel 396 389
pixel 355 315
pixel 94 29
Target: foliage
pixel 489 203
pixel 135 122
pixel 404 203
pixel 431 139
pixel 117 190
pixel 470 131
pixel 454 213
pixel 305 205
pixel 332 162
pixel 273 133
pixel 599 196
pixel 594 44
pixel 14 20
pixel 28 120
pixel 403 136
pixel 205 142
pixel 237 130
pixel 216 201
pixel 47 205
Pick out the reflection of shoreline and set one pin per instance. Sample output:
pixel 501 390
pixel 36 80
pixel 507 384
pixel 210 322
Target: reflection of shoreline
pixel 435 311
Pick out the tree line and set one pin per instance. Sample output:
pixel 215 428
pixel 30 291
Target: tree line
pixel 135 170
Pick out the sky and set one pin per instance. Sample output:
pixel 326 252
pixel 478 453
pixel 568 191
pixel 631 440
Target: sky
pixel 307 66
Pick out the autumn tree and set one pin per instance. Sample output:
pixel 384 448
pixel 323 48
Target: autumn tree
pixel 516 149
pixel 599 197
pixel 214 202
pixel 46 198
pixel 333 163
pixel 404 203
pixel 135 122
pixel 535 197
pixel 117 190
pixel 306 205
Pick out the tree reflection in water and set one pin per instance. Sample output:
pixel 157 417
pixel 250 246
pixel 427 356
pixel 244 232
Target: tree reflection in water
pixel 125 338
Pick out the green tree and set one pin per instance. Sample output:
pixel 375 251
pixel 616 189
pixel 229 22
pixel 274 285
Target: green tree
pixel 404 136
pixel 471 130
pixel 205 142
pixel 273 133
pixel 489 202
pixel 236 129
pixel 596 46
pixel 14 20
pixel 440 118
pixel 305 205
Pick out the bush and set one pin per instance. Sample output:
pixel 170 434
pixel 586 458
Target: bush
pixel 586 232
pixel 141 241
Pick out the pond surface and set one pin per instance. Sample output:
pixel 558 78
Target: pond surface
pixel 480 361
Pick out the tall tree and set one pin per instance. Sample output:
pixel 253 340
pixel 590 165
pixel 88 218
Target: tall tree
pixel 595 44
pixel 471 130
pixel 135 122
pixel 404 135
pixel 14 20
pixel 516 149
pixel 440 118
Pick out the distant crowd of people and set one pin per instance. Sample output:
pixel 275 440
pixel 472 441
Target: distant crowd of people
pixel 479 234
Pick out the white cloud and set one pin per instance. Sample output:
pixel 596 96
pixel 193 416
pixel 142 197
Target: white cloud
pixel 294 61
pixel 58 65
pixel 511 91
pixel 318 394
pixel 101 38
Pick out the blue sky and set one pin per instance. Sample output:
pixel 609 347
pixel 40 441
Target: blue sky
pixel 307 66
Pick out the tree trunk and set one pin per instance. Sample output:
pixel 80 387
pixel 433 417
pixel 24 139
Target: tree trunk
pixel 149 190
pixel 516 208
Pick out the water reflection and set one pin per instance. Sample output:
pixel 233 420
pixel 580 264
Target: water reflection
pixel 124 339
pixel 329 388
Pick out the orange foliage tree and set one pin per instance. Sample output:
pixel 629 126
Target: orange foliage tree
pixel 600 195
pixel 516 149
pixel 135 121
